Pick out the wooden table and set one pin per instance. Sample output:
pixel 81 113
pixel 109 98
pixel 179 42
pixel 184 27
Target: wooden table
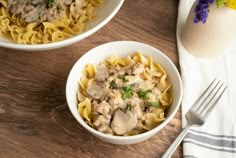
pixel 35 121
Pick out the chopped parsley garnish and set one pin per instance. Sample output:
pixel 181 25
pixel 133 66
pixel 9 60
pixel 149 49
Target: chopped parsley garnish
pixel 126 95
pixel 123 78
pixel 128 90
pixel 50 3
pixel 144 94
pixel 128 107
pixel 154 104
pixel 112 84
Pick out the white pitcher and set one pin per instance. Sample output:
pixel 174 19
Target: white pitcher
pixel 212 38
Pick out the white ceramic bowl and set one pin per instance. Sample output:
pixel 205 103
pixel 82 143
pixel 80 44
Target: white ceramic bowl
pixel 105 13
pixel 122 49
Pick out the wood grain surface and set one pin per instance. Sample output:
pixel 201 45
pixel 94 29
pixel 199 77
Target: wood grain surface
pixel 35 121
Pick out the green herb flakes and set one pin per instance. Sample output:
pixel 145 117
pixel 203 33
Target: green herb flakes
pixel 144 94
pixel 127 95
pixel 50 3
pixel 112 84
pixel 123 78
pixel 154 104
pixel 128 107
pixel 128 91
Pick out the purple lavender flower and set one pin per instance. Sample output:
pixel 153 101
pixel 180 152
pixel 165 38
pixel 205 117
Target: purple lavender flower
pixel 201 10
pixel 211 1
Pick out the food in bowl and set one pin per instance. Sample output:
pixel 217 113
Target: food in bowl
pixel 122 49
pixel 124 96
pixel 44 21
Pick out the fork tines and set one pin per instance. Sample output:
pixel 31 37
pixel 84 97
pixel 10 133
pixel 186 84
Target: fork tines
pixel 207 101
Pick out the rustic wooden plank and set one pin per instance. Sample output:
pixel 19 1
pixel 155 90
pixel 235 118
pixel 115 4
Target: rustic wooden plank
pixel 34 118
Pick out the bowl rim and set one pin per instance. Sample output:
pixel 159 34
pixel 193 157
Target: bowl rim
pixel 66 41
pixel 141 135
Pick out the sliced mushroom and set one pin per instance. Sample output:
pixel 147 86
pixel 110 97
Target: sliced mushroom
pixel 123 122
pixel 101 72
pixel 96 90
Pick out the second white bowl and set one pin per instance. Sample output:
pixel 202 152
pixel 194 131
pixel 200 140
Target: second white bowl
pixel 105 13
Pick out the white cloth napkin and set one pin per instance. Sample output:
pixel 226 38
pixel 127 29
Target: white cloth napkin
pixel 217 137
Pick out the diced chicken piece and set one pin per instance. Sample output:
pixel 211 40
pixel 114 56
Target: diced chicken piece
pixel 146 85
pixel 115 100
pixel 134 101
pixel 102 120
pixel 80 3
pixel 128 71
pixel 134 80
pixel 154 96
pixel 16 7
pixel 119 70
pixel 123 122
pixel 102 108
pixel 96 90
pixel 67 2
pixel 115 97
pixel 113 73
pixel 152 109
pixel 119 83
pixel 105 129
pixel 137 109
pixel 101 73
pixel 76 8
pixel 138 68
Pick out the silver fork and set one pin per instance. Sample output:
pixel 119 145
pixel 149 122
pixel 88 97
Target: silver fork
pixel 199 112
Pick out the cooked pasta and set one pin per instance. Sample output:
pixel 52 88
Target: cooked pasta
pixel 124 96
pixel 44 21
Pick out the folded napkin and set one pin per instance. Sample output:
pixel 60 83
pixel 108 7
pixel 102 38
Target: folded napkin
pixel 217 137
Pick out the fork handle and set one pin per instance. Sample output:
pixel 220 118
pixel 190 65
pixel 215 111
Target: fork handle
pixel 177 141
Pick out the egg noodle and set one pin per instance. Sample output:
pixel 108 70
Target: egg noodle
pixel 13 27
pixel 150 119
